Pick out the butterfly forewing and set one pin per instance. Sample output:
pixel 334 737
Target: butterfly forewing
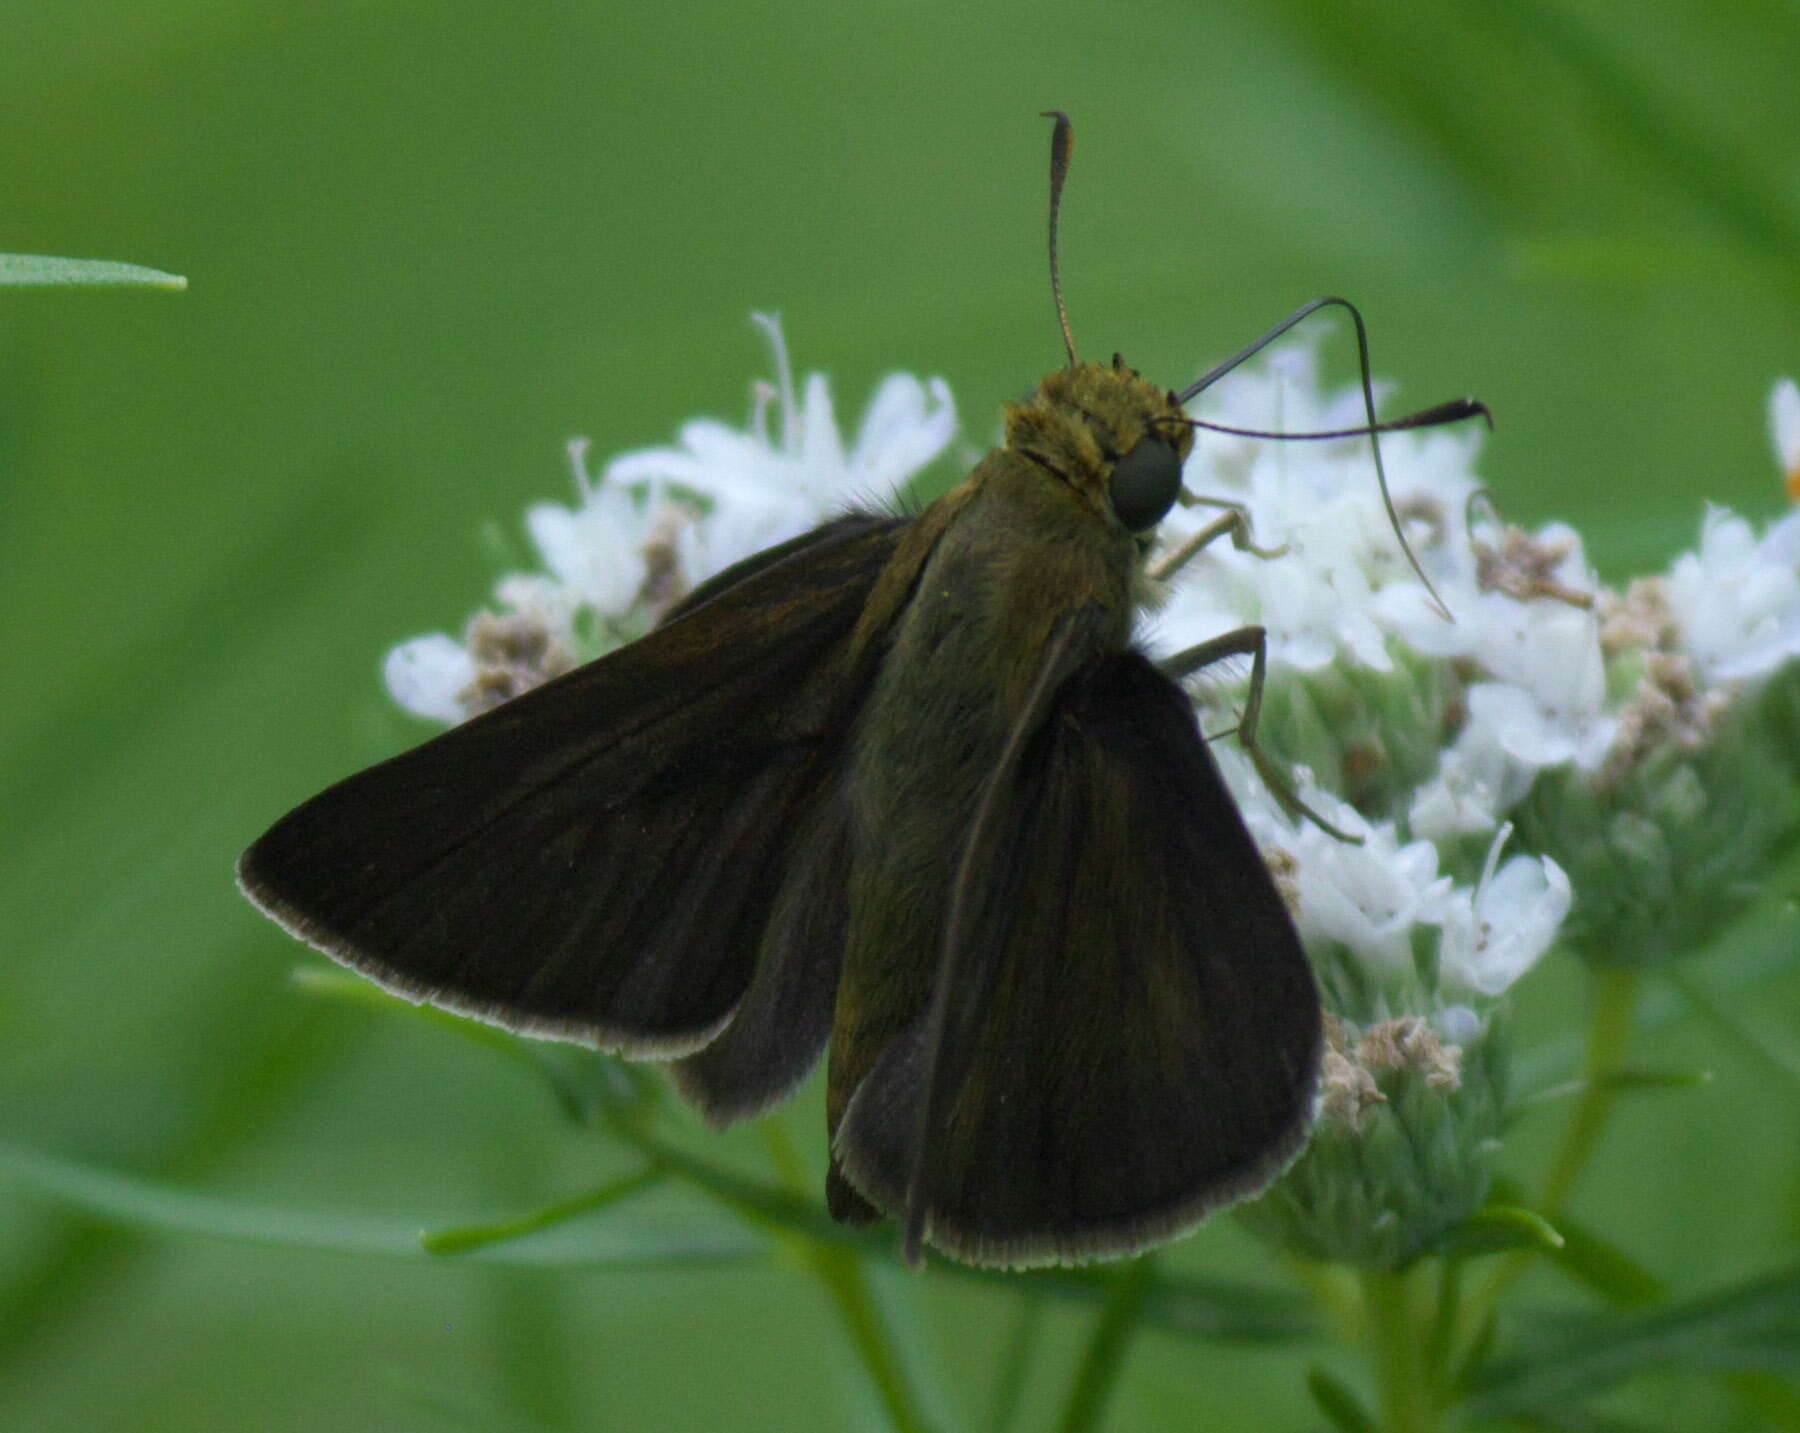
pixel 599 857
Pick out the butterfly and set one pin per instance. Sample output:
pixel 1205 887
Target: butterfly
pixel 904 794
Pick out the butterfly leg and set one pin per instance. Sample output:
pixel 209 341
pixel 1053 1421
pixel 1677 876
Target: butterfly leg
pixel 1251 642
pixel 1233 522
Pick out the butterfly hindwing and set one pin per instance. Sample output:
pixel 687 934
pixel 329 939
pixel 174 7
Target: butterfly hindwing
pixel 782 1024
pixel 1135 1036
pixel 599 858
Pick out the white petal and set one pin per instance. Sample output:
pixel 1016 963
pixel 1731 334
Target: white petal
pixel 425 675
pixel 1737 599
pixel 737 529
pixel 1510 923
pixel 1784 428
pixel 821 451
pixel 902 432
pixel 1528 731
pixel 1367 898
pixel 596 551
pixel 1781 543
pixel 1475 783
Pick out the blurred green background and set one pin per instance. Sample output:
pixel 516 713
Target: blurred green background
pixel 429 242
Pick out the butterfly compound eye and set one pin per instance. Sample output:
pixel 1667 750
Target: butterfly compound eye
pixel 1145 482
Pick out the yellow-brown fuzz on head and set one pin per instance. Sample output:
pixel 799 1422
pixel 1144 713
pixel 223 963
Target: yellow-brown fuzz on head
pixel 1084 418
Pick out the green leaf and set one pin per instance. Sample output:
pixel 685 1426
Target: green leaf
pixel 1635 1079
pixel 147 1204
pixel 1593 1260
pixel 1603 1266
pixel 1215 1309
pixel 464 1238
pixel 1497 1228
pixel 1584 1420
pixel 1339 1404
pixel 1752 1326
pixel 45 271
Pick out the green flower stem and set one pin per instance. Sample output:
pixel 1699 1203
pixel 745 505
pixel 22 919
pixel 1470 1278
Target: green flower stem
pixel 1609 1033
pixel 841 1271
pixel 1616 990
pixel 1398 1326
pixel 1105 1353
pixel 1191 1307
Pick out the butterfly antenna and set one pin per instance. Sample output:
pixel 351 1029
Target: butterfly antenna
pixel 1453 411
pixel 1450 412
pixel 1062 145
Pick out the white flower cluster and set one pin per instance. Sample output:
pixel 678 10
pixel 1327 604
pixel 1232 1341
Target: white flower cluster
pixel 1370 899
pixel 659 521
pixel 1532 633
pixel 1341 593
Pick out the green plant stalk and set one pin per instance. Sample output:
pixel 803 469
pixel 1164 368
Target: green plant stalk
pixel 1186 1307
pixel 1616 990
pixel 1398 1327
pixel 841 1272
pixel 1105 1352
pixel 1609 1034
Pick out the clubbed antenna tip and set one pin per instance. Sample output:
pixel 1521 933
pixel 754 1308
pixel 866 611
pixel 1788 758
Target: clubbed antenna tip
pixel 1062 145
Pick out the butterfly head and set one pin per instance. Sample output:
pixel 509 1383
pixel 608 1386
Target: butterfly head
pixel 1116 440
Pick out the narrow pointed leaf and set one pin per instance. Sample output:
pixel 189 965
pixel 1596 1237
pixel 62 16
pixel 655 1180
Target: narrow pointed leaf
pixel 46 271
pixel 1751 1326
pixel 147 1204
pixel 1497 1228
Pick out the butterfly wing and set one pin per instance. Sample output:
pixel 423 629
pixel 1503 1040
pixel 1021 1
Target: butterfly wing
pixel 1132 1034
pixel 604 858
